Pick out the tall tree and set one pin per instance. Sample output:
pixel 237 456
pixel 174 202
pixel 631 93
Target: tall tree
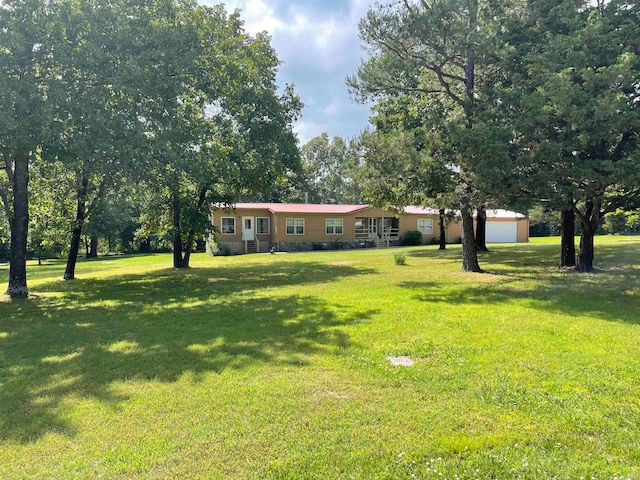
pixel 229 131
pixel 404 159
pixel 65 68
pixel 100 135
pixel 438 51
pixel 27 80
pixel 574 74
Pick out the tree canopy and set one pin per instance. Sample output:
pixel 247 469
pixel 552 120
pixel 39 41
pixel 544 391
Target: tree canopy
pixel 429 64
pixel 570 88
pixel 328 167
pixel 165 92
pixel 505 103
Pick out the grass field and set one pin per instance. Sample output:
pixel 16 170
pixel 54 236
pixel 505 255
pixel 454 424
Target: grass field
pixel 274 366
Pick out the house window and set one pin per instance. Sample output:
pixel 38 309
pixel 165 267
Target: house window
pixel 334 226
pixel 295 226
pixel 361 226
pixel 228 226
pixel 262 225
pixel 425 225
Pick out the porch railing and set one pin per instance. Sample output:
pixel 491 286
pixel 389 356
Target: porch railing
pixel 387 235
pixel 366 233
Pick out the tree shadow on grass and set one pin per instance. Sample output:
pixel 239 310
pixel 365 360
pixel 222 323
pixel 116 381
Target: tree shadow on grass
pixel 202 283
pixel 157 327
pixel 529 272
pixel 432 251
pixel 518 255
pixel 610 296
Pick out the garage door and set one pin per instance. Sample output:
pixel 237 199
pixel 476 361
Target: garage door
pixel 502 232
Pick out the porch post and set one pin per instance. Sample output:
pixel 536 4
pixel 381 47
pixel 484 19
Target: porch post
pixel 275 230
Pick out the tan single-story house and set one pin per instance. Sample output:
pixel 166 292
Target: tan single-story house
pixel 286 227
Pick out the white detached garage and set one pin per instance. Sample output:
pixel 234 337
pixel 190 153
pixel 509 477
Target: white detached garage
pixel 502 226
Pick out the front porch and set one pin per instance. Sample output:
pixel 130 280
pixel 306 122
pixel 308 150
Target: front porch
pixel 383 231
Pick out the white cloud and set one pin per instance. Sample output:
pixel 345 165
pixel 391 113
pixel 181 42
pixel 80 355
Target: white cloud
pixel 257 15
pixel 306 130
pixel 333 107
pixel 317 40
pixel 325 34
pixel 358 9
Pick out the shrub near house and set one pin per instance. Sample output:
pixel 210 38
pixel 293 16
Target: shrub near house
pixel 412 237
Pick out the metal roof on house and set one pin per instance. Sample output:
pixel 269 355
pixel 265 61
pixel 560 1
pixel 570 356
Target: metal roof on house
pixel 499 213
pixel 421 210
pixel 345 209
pixel 303 207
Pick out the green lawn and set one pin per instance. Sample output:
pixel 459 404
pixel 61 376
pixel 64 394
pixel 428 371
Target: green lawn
pixel 274 366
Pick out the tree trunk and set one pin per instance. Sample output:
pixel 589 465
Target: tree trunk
pixel 469 252
pixel 19 228
pixel 177 232
pixel 586 254
pixel 443 231
pixel 188 248
pixel 145 245
pixel 93 247
pixel 590 221
pixel 567 235
pixel 481 230
pixel 70 270
pixel 177 249
pixel 202 198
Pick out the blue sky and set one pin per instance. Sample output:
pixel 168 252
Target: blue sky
pixel 317 41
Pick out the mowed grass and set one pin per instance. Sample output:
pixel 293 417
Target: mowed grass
pixel 274 366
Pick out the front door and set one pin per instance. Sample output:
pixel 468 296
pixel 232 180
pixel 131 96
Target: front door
pixel 373 226
pixel 248 228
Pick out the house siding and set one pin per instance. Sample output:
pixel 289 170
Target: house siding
pixel 409 223
pixel 523 230
pixel 315 236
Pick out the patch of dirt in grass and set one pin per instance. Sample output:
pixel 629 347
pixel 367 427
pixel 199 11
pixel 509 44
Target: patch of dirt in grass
pixel 328 396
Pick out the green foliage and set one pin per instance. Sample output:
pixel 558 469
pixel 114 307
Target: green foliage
pixel 412 237
pixel 633 221
pixel 395 173
pixel 519 100
pixel 543 221
pixel 328 167
pixel 622 221
pixel 570 89
pixel 229 132
pixel 400 258
pixel 4 238
pixel 615 222
pixel 112 216
pixel 220 249
pixel 51 209
pixel 434 144
pixel 207 126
